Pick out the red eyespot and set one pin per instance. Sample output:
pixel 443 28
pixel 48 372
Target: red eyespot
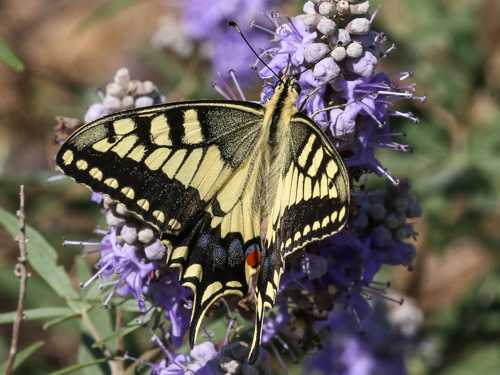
pixel 253 258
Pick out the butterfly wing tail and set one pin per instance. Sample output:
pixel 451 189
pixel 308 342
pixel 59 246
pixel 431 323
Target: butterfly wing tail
pixel 270 273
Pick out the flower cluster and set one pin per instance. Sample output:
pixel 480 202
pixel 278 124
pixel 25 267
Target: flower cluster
pixel 333 51
pixel 124 93
pixel 347 351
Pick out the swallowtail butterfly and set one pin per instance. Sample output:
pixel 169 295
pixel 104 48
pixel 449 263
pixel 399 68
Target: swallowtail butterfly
pixel 233 186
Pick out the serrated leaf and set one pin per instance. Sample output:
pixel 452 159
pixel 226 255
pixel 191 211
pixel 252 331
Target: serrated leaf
pixel 41 313
pixel 9 58
pixel 42 257
pixel 22 355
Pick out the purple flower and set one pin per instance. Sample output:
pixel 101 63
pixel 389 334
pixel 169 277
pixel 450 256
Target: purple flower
pixel 378 349
pixel 173 297
pixel 207 24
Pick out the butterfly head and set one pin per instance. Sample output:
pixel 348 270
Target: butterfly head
pixel 288 84
pixel 286 90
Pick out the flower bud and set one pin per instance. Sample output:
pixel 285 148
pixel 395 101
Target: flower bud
pixel 326 26
pixel 145 234
pixel 354 50
pixel 338 54
pixel 358 26
pixel 326 9
pixel 360 8
pixel 315 52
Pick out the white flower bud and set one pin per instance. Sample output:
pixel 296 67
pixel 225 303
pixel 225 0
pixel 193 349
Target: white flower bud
pixel 310 20
pixel 338 54
pixel 108 202
pixel 145 88
pixel 155 250
pixel 341 36
pixel 315 52
pixel 308 8
pixel 359 26
pixel 114 221
pixel 145 234
pixel 122 77
pixel 129 233
pixel 127 102
pixel 133 85
pixel 114 89
pixel 121 210
pixel 143 101
pixel 354 50
pixel 360 8
pixel 326 26
pixel 112 103
pixel 342 7
pixel 326 9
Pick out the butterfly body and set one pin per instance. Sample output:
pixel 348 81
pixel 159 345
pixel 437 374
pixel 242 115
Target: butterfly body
pixel 234 187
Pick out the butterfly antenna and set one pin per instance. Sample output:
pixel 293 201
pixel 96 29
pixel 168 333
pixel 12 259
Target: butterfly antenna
pixel 233 24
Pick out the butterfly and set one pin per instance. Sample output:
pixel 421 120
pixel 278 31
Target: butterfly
pixel 233 186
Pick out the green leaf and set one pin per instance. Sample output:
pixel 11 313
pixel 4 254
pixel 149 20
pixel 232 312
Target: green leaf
pixel 9 58
pixel 80 366
pixel 109 9
pixel 130 327
pixel 22 355
pixel 60 319
pixel 42 257
pixel 41 313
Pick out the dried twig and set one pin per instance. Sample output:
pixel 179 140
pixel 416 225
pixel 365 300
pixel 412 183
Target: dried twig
pixel 21 271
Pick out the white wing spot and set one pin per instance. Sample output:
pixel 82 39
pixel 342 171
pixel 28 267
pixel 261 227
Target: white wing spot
pixel 137 153
pixel 111 182
pixel 156 159
pixel 192 128
pixel 82 165
pixel 128 192
pixel 160 131
pixel 159 215
pixel 174 224
pixel 67 157
pixel 143 204
pixel 124 126
pixel 96 174
pixel 211 290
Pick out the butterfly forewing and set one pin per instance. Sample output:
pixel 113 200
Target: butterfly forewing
pixel 163 163
pixel 314 189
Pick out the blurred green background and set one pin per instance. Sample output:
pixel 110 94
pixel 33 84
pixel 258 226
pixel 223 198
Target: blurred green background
pixel 70 48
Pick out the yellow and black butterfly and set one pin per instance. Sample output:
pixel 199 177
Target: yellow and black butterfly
pixel 233 186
